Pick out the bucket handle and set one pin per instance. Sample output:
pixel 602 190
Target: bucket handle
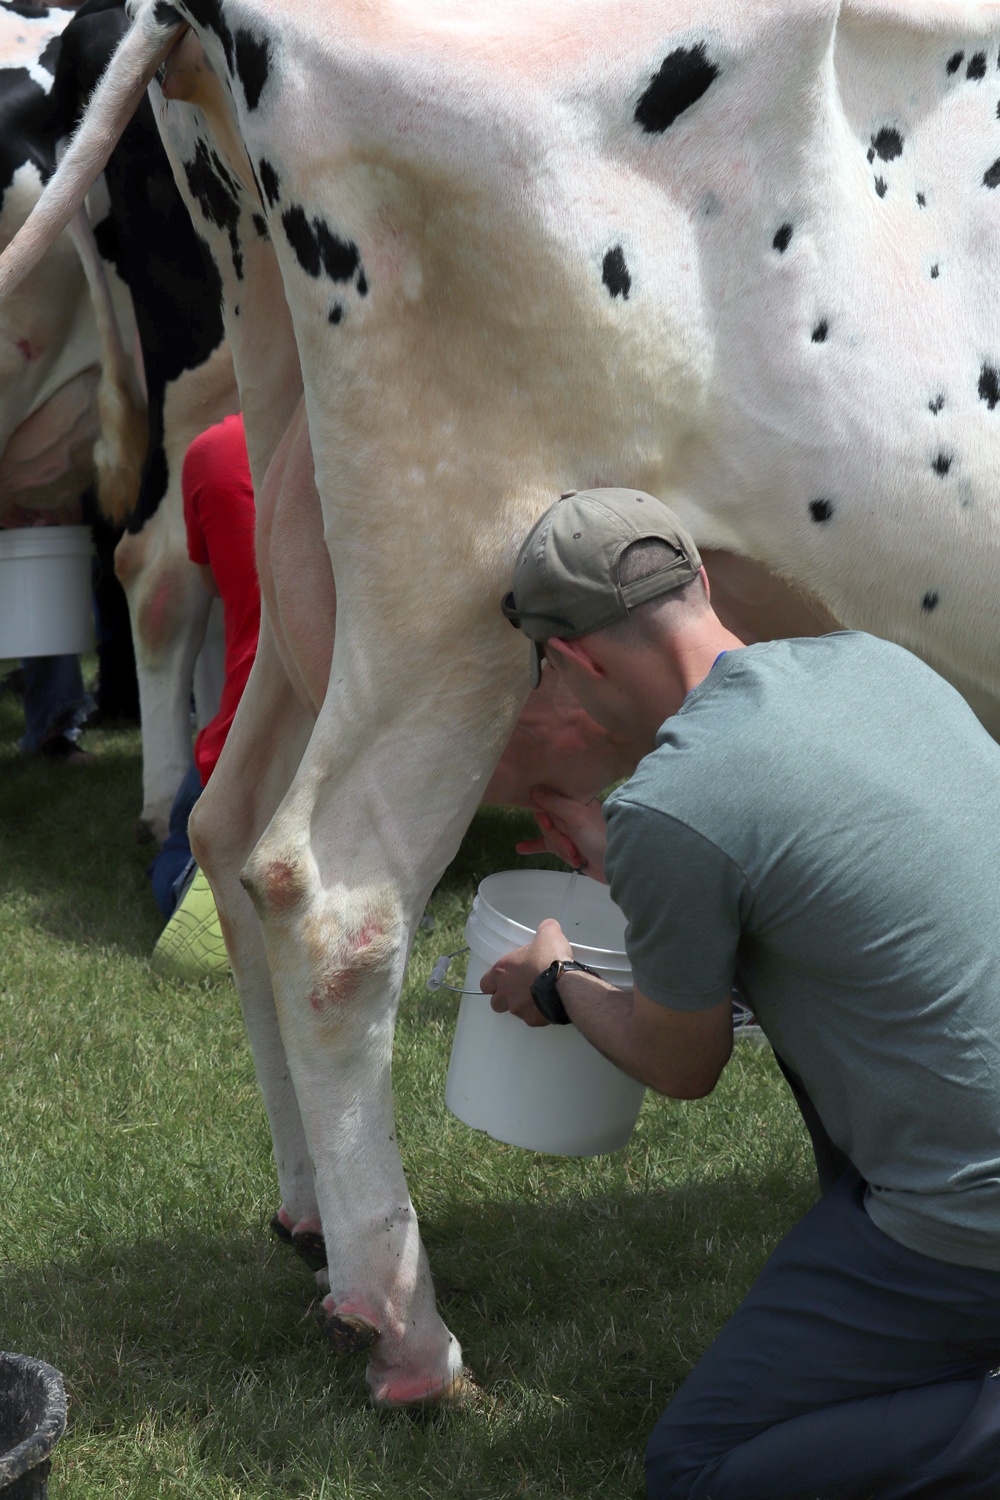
pixel 436 979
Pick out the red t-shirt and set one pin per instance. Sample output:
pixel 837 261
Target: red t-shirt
pixel 219 515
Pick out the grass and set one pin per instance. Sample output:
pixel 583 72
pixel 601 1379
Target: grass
pixel 136 1186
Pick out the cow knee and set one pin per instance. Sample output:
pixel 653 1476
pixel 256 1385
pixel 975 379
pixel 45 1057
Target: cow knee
pixel 216 833
pixel 277 884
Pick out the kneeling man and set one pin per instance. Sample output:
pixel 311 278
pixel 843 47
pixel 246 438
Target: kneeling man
pixel 816 821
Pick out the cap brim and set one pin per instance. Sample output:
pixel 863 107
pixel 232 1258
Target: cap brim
pixel 535 665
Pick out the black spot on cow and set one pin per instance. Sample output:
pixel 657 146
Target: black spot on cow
pixel 930 601
pixel 260 224
pixel 921 200
pixel 218 197
pixel 318 249
pixel 236 310
pixel 871 154
pixel 23 133
pixel 991 177
pixel 955 61
pixel 977 66
pixel 336 313
pixel 165 14
pixel 615 274
pixel 936 405
pixel 49 55
pixel 935 272
pixel 887 145
pixel 821 510
pixel 269 181
pixel 208 13
pixel 782 239
pixel 880 186
pixel 683 77
pixel 29 12
pixel 820 332
pixel 362 284
pixel 989 386
pixel 942 464
pixel 253 64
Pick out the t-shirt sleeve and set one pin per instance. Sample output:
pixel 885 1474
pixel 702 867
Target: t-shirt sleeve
pixel 682 898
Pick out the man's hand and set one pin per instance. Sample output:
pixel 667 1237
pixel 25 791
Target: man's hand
pixel 572 831
pixel 509 981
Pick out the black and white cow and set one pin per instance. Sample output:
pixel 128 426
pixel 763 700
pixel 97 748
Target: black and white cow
pixel 147 236
pixel 743 256
pixel 54 407
pixel 66 380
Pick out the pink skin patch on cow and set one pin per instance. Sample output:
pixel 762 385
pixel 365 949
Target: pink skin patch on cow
pixel 365 947
pixel 26 350
pixel 283 886
pixel 158 621
pixel 334 992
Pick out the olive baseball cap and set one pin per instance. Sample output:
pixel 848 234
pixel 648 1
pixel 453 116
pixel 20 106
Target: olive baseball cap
pixel 566 580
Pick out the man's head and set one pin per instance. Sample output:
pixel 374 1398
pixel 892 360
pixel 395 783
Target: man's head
pixel 600 560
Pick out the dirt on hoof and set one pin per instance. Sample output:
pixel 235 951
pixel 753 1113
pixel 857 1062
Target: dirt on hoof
pixel 347 1334
pixel 311 1247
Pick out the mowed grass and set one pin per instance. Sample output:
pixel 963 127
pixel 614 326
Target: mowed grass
pixel 136 1185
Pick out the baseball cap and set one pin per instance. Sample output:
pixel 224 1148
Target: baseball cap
pixel 566 580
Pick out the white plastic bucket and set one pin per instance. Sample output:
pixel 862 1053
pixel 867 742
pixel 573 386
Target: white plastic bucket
pixel 45 591
pixel 545 1088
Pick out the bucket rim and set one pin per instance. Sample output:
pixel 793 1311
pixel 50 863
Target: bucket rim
pixel 44 541
pixel 38 1445
pixel 598 956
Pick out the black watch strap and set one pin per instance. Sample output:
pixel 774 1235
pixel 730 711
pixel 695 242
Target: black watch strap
pixel 545 994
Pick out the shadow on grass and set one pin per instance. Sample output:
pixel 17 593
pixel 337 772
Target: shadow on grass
pixel 600 1304
pixel 67 842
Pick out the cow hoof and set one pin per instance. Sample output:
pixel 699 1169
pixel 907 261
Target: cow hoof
pixel 458 1387
pixel 349 1333
pixel 277 1227
pixel 311 1247
pixel 144 832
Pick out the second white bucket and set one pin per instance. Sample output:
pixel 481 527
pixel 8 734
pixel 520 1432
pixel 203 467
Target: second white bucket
pixel 45 591
pixel 544 1088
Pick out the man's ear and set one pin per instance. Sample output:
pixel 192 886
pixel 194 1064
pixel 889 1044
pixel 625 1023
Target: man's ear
pixel 575 651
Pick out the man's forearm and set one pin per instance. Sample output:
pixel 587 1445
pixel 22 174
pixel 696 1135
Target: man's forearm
pixel 644 1039
pixel 603 1013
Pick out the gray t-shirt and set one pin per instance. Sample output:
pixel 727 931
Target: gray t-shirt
pixel 820 823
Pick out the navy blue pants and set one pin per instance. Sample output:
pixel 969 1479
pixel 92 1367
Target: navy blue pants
pixel 854 1368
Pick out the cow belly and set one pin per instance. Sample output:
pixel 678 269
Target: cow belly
pixel 49 461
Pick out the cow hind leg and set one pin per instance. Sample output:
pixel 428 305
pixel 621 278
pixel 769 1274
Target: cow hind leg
pixel 339 880
pixel 246 786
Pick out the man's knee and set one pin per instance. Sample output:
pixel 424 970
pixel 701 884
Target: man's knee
pixel 674 1457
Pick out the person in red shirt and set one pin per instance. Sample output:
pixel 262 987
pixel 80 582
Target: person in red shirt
pixel 220 516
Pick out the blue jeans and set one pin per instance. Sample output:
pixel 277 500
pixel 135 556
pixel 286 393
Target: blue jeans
pixel 854 1368
pixel 55 700
pixel 174 864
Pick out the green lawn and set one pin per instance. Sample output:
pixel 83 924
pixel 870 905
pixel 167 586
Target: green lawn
pixel 136 1186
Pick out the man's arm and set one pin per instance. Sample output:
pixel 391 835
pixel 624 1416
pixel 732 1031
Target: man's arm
pixel 678 1053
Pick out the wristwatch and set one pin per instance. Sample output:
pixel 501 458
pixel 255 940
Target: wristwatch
pixel 545 994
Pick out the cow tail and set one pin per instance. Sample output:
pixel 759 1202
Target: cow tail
pixel 112 105
pixel 120 450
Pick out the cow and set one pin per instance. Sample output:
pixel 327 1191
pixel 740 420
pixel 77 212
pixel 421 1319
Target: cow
pixel 66 381
pixel 165 298
pixel 473 257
